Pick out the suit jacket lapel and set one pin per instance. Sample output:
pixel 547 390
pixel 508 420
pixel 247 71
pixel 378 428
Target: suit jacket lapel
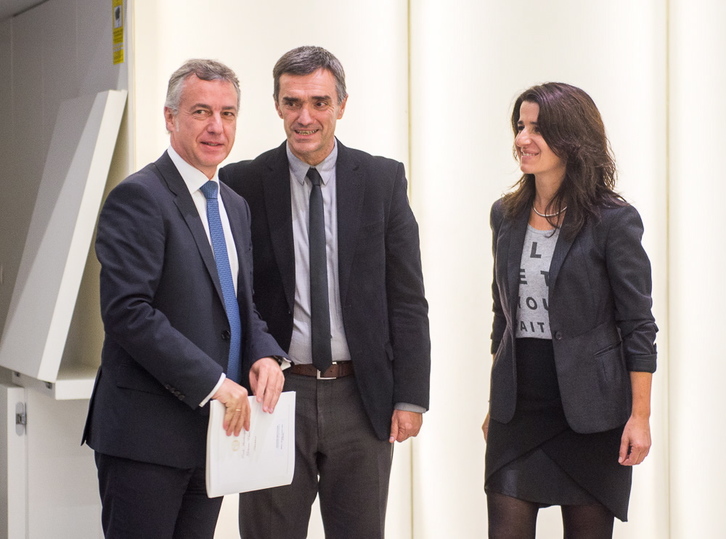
pixel 350 186
pixel 278 207
pixel 558 257
pixel 183 201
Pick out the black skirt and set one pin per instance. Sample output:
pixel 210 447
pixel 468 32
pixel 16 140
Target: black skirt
pixel 537 457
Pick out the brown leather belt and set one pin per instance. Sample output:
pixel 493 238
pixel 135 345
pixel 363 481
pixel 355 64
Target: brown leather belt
pixel 336 370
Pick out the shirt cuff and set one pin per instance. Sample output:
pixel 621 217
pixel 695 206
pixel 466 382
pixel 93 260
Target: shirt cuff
pixel 222 377
pixel 285 363
pixel 406 407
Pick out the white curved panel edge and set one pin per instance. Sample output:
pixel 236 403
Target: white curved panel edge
pixel 61 230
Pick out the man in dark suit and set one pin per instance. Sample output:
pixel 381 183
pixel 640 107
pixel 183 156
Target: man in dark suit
pixel 337 276
pixel 181 328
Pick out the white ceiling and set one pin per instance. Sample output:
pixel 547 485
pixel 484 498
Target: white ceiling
pixel 8 8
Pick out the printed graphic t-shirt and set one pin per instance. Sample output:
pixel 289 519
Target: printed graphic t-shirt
pixel 532 311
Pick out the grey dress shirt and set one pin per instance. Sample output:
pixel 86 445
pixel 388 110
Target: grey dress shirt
pixel 300 344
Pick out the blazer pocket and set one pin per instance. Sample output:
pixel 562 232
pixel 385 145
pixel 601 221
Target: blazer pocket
pixel 611 362
pixel 132 377
pixel 608 349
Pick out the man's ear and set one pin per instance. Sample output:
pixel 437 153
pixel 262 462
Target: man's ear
pixel 169 118
pixel 342 107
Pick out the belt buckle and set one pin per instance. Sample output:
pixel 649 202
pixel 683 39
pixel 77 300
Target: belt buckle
pixel 321 377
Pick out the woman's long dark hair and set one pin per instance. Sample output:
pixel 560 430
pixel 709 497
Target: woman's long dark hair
pixel 572 127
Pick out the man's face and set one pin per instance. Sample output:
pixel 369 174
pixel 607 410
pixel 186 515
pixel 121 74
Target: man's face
pixel 309 108
pixel 203 129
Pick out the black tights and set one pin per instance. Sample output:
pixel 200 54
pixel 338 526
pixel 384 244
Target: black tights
pixel 510 518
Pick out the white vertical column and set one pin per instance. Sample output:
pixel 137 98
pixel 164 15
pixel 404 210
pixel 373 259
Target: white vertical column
pixel 469 60
pixel 697 261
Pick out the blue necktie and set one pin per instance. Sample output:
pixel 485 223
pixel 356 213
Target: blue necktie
pixel 319 306
pixel 219 246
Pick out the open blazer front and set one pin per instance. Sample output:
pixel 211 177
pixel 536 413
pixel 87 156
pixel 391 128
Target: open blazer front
pixel 385 313
pixel 599 310
pixel 167 333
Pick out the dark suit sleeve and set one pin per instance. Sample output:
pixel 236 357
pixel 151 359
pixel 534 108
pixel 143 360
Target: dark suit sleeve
pixel 499 323
pixel 132 247
pixel 630 279
pixel 407 306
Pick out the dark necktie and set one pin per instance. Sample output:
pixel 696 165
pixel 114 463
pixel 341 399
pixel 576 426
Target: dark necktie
pixel 319 307
pixel 219 245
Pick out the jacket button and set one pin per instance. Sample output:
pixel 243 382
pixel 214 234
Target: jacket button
pixel 226 335
pixel 558 335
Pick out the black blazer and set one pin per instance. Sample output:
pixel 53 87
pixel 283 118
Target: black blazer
pixel 599 310
pixel 167 334
pixel 385 314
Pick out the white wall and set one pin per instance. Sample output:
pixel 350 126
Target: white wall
pixel 697 192
pixel 370 39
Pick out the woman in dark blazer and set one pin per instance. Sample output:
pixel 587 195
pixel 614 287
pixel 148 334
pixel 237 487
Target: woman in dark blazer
pixel 573 334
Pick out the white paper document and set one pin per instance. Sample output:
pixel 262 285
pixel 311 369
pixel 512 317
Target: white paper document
pixel 260 458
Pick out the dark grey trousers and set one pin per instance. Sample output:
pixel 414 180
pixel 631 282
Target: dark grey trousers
pixel 338 457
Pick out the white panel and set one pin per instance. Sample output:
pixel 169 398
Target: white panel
pixel 74 382
pixel 60 235
pixel 56 51
pixel 13 465
pixel 469 61
pixel 63 499
pixel 697 261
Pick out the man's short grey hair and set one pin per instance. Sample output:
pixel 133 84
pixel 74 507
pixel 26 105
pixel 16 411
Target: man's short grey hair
pixel 204 70
pixel 308 59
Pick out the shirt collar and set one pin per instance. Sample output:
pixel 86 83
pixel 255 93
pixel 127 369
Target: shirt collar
pixel 193 177
pixel 299 168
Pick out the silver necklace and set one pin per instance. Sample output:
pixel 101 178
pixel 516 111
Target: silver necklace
pixel 548 215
